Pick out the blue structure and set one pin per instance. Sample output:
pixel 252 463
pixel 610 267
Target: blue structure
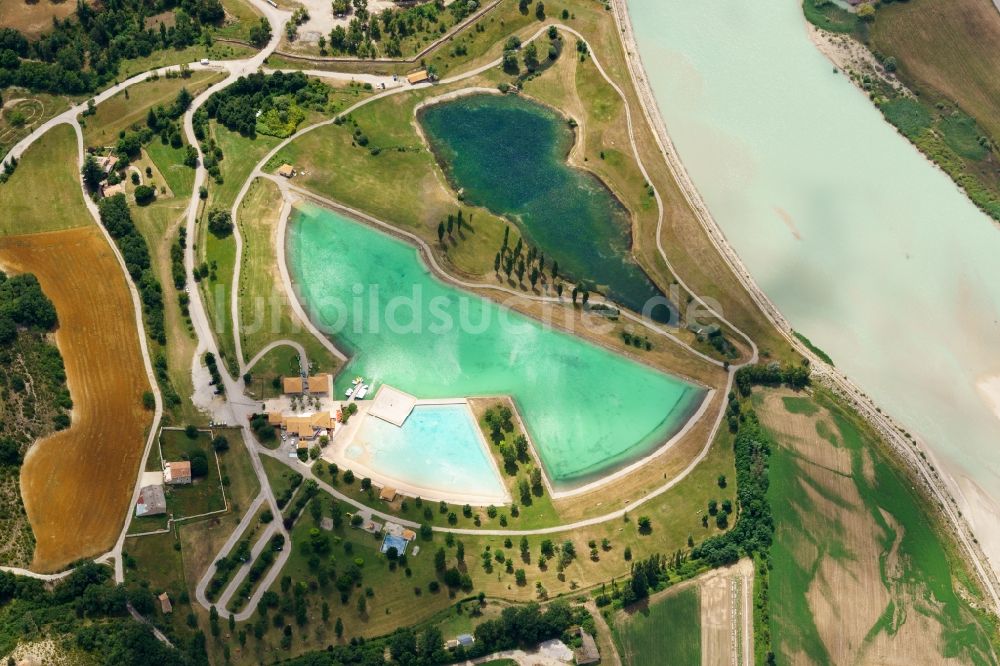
pixel 390 541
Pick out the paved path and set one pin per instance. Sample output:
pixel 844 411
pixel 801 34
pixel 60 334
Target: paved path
pixel 234 410
pixel 303 358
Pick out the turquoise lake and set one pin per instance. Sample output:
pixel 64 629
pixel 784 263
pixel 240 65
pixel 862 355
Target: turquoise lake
pixel 865 247
pixel 508 154
pixel 588 410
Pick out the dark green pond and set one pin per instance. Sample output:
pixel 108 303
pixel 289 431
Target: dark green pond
pixel 508 154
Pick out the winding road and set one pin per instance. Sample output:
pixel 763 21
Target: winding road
pixel 233 408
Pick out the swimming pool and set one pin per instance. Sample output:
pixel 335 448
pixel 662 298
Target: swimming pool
pixel 438 450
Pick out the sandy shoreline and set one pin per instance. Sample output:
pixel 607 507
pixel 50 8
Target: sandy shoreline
pixel 961 514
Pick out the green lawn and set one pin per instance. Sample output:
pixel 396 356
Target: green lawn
pixel 129 107
pixel 238 476
pixel 205 494
pixel 272 366
pixel 47 173
pixel 239 157
pixel 664 633
pixel 265 313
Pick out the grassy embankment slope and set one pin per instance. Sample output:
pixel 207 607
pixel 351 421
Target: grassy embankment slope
pixel 265 313
pixel 944 53
pixel 860 571
pixel 76 483
pixel 160 221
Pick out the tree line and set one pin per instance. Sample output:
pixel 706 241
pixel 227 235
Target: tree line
pixel 90 609
pixel 82 53
pixel 236 106
pixel 117 219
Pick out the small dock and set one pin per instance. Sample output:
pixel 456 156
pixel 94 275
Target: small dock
pixel 392 405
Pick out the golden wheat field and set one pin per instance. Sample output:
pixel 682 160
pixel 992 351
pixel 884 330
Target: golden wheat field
pixel 77 484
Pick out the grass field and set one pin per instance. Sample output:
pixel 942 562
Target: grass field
pixel 47 172
pixel 666 632
pixel 239 157
pixel 860 572
pixel 164 58
pixel 265 313
pixel 130 107
pixel 947 49
pixel 77 483
pixel 203 494
pixel 33 109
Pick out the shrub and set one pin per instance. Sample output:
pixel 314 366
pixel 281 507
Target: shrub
pixel 144 195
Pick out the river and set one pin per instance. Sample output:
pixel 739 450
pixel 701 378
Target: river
pixel 865 246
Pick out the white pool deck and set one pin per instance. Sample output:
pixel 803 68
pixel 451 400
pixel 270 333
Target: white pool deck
pixel 336 451
pixel 392 405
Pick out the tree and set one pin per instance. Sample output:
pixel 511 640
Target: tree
pixel 440 559
pixel 536 482
pixel 520 577
pixel 220 222
pixel 260 34
pixel 540 11
pixel 531 56
pixel 220 443
pixel 92 173
pixel 722 481
pixel 441 232
pixel 866 12
pixel 144 195
pixel 338 628
pixel 645 525
pixel 496 264
pixel 510 62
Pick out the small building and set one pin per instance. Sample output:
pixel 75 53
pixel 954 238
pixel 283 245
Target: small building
pixel 106 162
pixel 465 640
pixel 292 385
pixel 286 170
pixel 275 418
pixel 388 494
pixel 451 644
pixel 112 190
pixel 177 473
pixel 151 502
pixel 165 604
pixel 372 527
pixel 418 77
pixel 318 384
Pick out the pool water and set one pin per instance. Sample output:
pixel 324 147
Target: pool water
pixel 588 410
pixel 438 448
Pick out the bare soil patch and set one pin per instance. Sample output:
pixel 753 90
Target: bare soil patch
pixel 34 18
pixel 77 483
